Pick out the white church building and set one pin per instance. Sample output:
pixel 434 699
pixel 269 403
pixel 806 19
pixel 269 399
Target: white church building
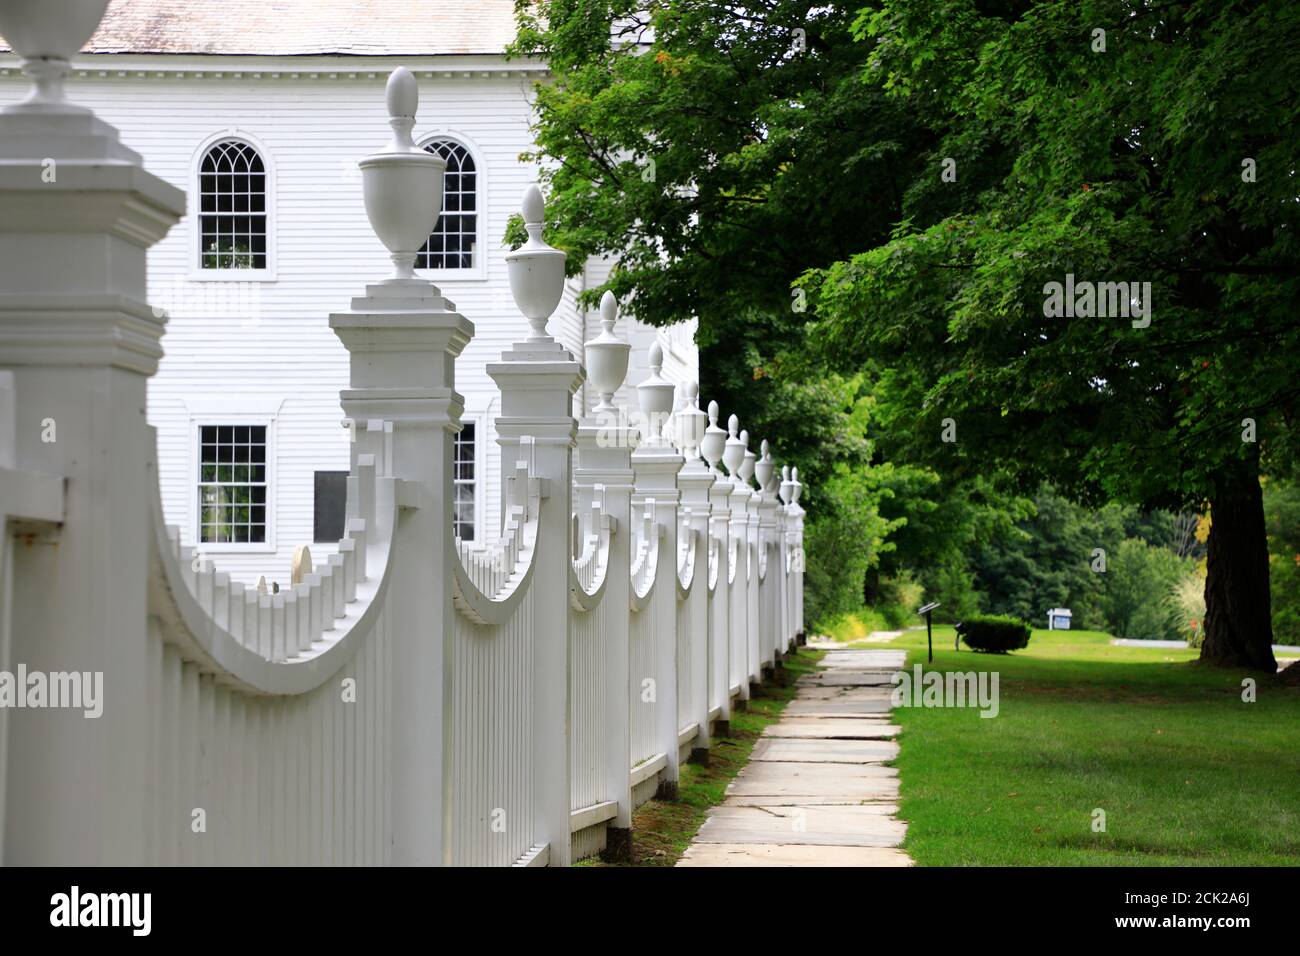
pixel 260 112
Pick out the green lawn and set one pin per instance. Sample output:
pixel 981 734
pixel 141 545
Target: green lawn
pixel 1186 772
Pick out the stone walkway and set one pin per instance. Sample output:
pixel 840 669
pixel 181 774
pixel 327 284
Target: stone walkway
pixel 815 792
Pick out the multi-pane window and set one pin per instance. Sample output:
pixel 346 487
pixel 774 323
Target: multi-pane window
pixel 232 207
pixel 463 478
pixel 232 484
pixel 451 244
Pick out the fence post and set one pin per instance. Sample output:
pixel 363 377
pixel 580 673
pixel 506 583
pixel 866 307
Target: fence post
pixel 656 465
pixel 754 621
pixel 605 442
pixel 786 530
pixel 720 601
pixel 774 577
pixel 403 339
pixel 695 480
pixel 799 557
pixel 733 457
pixel 538 378
pixel 79 214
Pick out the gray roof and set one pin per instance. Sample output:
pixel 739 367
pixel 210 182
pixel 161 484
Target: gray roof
pixel 305 27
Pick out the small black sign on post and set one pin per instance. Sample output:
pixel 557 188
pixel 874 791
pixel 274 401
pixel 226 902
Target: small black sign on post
pixel 929 630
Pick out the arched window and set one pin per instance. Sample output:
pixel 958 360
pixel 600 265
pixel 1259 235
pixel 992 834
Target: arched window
pixel 232 207
pixel 452 243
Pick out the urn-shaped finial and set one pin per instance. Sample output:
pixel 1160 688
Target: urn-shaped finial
pixel 795 487
pixel 607 356
pixel 786 490
pixel 536 270
pixel 764 467
pixel 691 422
pixel 402 183
pixel 655 396
pixel 47 34
pixel 747 462
pixel 715 439
pixel 733 453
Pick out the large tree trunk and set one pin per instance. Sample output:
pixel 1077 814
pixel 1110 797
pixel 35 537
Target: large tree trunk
pixel 1238 623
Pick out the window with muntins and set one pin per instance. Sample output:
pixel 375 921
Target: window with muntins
pixel 232 484
pixel 232 207
pixel 452 243
pixel 463 479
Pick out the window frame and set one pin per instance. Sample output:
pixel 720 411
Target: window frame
pixel 233 418
pixel 478 272
pixel 195 213
pixel 480 529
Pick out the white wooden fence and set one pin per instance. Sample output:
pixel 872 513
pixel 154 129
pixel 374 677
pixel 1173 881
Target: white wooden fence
pixel 413 700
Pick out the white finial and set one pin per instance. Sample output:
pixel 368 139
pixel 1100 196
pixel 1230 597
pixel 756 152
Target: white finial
pixel 607 356
pixel 47 35
pixel 403 97
pixel 765 468
pixel 608 311
pixel 692 427
pixel 536 270
pixel 533 209
pixel 655 395
pixel 714 442
pixel 747 463
pixel 733 454
pixel 402 183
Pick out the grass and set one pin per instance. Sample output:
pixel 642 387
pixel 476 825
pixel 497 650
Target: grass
pixel 663 829
pixel 1185 771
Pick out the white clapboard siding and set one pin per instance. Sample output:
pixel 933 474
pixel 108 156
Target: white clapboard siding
pixel 271 339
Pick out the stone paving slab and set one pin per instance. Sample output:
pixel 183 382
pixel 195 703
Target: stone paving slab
pixel 842 692
pixel 868 825
pixel 871 659
pixel 888 802
pixel 833 728
pixel 838 707
pixel 812 750
pixel 815 779
pixel 816 791
pixel 846 679
pixel 761 854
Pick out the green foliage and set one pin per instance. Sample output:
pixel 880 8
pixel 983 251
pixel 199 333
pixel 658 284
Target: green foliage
pixel 1139 579
pixel 1282 522
pixel 994 633
pixel 845 537
pixel 1122 166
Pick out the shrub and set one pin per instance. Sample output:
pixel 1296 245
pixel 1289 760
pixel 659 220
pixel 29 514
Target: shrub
pixel 994 633
pixel 1188 602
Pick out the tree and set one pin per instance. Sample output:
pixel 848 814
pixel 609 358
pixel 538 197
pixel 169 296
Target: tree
pixel 1095 143
pixel 717 151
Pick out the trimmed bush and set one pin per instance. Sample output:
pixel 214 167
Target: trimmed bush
pixel 994 633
